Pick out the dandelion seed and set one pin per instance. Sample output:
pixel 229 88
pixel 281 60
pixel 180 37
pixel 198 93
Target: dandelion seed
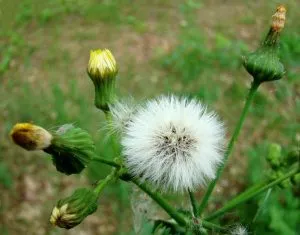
pixel 174 143
pixel 122 113
pixel 239 230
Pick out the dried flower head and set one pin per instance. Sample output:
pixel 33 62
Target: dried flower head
pixel 174 143
pixel 278 19
pixel 30 137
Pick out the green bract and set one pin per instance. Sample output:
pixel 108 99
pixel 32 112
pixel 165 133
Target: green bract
pixel 72 210
pixel 264 64
pixel 72 149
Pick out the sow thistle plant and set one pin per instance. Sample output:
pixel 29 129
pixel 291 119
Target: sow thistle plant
pixel 168 144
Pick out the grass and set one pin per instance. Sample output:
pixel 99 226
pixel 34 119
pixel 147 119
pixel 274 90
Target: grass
pixel 167 46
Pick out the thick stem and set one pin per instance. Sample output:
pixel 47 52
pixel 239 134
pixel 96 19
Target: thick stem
pixel 253 89
pixel 102 183
pixel 193 203
pixel 250 193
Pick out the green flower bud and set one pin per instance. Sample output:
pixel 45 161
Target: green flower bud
pixel 71 211
pixel 264 64
pixel 102 69
pixel 274 156
pixel 71 148
pixel 296 180
pixel 293 156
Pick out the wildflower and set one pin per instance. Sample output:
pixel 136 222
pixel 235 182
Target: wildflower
pixel 264 64
pixel 72 210
pixel 102 69
pixel 122 113
pixel 72 149
pixel 174 143
pixel 31 137
pixel 239 230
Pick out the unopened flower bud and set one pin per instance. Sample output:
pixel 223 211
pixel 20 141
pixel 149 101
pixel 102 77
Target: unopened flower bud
pixel 264 64
pixel 71 211
pixel 274 156
pixel 293 156
pixel 296 180
pixel 102 69
pixel 31 137
pixel 71 148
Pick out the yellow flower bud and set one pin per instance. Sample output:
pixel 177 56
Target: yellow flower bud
pixel 102 65
pixel 102 69
pixel 31 137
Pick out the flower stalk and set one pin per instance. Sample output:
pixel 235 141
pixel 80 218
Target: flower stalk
pixel 178 217
pixel 105 161
pixel 250 193
pixel 249 99
pixel 108 179
pixel 193 203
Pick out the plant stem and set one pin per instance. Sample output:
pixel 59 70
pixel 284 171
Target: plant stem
pixel 250 193
pixel 102 183
pixel 212 226
pixel 105 161
pixel 193 203
pixel 178 217
pixel 253 89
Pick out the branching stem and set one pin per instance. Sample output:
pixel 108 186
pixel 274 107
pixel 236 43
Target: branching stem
pixel 252 91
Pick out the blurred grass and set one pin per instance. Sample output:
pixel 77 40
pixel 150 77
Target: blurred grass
pixel 185 47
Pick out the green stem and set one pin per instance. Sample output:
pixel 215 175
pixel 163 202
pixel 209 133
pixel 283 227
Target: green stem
pixel 250 193
pixel 105 161
pixel 178 217
pixel 102 183
pixel 193 203
pixel 253 89
pixel 213 226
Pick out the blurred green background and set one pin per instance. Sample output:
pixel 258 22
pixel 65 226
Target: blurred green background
pixel 161 46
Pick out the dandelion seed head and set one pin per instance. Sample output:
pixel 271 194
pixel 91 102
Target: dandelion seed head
pixel 174 143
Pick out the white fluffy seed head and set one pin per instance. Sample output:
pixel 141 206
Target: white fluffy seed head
pixel 122 113
pixel 174 143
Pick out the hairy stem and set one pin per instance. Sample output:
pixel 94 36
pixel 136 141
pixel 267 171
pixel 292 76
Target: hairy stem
pixel 250 193
pixel 252 91
pixel 193 203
